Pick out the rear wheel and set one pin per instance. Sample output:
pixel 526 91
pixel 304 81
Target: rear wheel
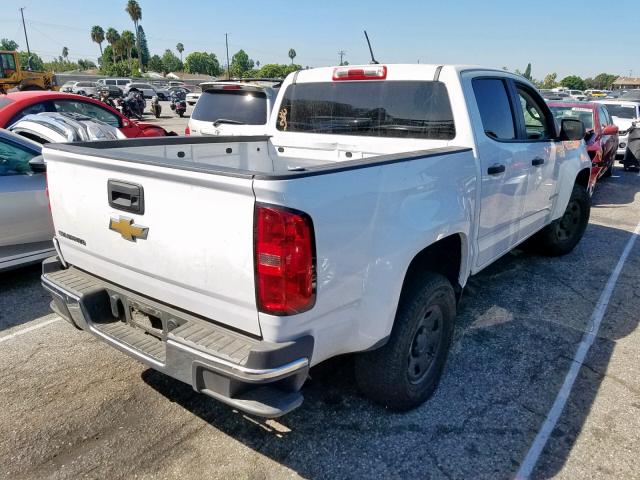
pixel 562 235
pixel 405 372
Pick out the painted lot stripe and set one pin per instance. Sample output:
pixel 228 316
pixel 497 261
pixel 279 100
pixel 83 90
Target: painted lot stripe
pixel 530 461
pixel 22 331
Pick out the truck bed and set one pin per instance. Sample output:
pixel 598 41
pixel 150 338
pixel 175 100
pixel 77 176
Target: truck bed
pixel 247 157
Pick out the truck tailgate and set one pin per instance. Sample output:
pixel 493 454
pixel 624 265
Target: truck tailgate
pixel 197 251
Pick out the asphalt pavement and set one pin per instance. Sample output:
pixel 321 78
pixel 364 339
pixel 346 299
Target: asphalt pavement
pixel 73 407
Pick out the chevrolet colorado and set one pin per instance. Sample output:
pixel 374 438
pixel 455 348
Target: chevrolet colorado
pixel 234 264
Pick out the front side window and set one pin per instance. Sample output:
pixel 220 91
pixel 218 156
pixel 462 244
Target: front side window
pixel 536 123
pixel 495 108
pixel 14 160
pixel 238 106
pixel 405 109
pixel 88 109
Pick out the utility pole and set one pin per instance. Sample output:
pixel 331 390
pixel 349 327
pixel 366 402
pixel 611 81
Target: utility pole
pixel 25 32
pixel 226 41
pixel 342 53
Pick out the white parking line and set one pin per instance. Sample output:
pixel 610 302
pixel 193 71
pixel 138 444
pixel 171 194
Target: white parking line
pixel 529 462
pixel 29 329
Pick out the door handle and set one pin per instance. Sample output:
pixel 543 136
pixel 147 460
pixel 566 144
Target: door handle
pixel 125 196
pixel 495 169
pixel 536 162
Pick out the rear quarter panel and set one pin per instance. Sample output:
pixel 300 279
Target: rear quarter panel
pixel 369 224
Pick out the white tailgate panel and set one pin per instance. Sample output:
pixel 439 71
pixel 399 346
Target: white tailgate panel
pixel 198 254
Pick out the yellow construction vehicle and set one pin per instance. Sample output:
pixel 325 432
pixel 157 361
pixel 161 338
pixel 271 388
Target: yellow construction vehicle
pixel 14 76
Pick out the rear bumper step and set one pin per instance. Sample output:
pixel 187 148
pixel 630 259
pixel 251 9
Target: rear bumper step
pixel 254 376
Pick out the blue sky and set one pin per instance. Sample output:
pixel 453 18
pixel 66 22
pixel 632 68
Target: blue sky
pixel 554 36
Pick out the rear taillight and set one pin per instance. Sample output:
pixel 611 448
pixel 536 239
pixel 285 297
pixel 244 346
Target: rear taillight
pixel 374 72
pixel 187 131
pixel 284 260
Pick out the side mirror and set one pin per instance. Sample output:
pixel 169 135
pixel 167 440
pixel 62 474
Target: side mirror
pixel 610 130
pixel 571 129
pixel 37 164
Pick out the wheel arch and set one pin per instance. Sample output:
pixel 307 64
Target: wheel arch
pixel 447 256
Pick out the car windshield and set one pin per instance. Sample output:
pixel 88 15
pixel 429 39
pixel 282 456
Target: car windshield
pixel 410 109
pixel 583 114
pixel 621 111
pixel 85 84
pixel 249 108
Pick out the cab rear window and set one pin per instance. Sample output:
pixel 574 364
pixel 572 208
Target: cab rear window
pixel 405 109
pixel 241 106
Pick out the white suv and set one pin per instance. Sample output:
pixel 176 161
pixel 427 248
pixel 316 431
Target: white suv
pixel 233 108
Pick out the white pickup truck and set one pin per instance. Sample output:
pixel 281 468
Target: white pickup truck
pixel 234 264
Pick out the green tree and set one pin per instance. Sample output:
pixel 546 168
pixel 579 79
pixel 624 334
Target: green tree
pixel 97 36
pixel 36 61
pixel 170 62
pixel 135 12
pixel 202 62
pixel 65 53
pixel 86 64
pixel 272 70
pixel 180 49
pixel 155 64
pixel 527 72
pixel 143 51
pixel 240 64
pixel 604 81
pixel 573 82
pixel 6 44
pixel 550 81
pixel 127 40
pixel 292 54
pixel 113 37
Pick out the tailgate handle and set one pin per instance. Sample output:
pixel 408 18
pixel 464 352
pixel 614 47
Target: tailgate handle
pixel 125 196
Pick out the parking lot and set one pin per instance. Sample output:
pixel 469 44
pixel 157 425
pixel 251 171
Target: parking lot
pixel 76 408
pixel 168 119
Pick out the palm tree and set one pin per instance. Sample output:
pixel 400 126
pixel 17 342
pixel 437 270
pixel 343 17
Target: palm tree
pixel 292 54
pixel 97 36
pixel 135 12
pixel 65 53
pixel 113 37
pixel 180 49
pixel 128 40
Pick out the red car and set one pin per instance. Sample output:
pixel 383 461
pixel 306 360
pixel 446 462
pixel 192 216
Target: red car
pixel 601 137
pixel 16 105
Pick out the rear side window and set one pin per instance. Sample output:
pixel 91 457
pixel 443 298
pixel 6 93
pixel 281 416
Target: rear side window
pixel 495 108
pixel 247 108
pixel 406 109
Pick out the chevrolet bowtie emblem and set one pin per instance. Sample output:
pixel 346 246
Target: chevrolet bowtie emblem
pixel 129 231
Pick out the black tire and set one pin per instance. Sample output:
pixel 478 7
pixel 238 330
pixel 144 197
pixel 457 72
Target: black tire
pixel 405 372
pixel 161 97
pixel 562 235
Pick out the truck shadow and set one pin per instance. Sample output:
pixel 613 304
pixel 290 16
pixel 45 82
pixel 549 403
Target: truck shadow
pixel 22 298
pixel 518 328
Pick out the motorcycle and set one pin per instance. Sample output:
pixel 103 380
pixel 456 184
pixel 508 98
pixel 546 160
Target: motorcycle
pixel 133 104
pixel 178 102
pixel 156 108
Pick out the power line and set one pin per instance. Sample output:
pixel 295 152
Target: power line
pixel 342 53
